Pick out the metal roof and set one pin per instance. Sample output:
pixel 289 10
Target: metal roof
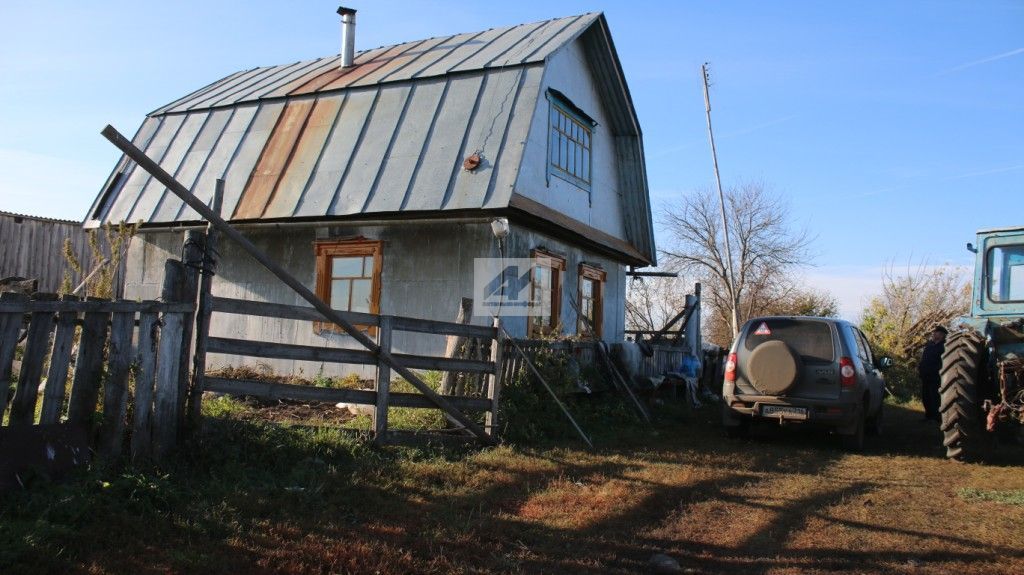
pixel 387 135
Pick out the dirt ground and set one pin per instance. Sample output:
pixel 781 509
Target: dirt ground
pixel 267 500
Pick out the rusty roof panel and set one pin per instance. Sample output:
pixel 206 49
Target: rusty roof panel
pixel 273 160
pixel 302 70
pixel 220 156
pixel 304 158
pixel 400 65
pixel 239 92
pixel 252 144
pixel 385 61
pixel 348 127
pixel 313 83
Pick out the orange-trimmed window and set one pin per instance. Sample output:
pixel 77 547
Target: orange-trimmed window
pixel 591 301
pixel 545 293
pixel 348 277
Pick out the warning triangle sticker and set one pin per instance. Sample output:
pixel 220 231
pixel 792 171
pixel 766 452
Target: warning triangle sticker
pixel 763 329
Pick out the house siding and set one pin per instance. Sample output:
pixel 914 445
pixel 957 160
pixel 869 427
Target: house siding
pixel 568 72
pixel 427 269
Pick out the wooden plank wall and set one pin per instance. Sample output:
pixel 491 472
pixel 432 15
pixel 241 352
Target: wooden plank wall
pixel 33 247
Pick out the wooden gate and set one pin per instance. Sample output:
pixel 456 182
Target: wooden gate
pixel 89 360
pixel 381 397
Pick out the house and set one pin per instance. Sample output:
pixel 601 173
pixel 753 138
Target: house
pixel 375 177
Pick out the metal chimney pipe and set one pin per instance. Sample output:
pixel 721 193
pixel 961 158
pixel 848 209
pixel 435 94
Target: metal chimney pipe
pixel 348 35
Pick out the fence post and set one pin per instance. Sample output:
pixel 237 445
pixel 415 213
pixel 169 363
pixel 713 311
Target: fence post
pixel 454 344
pixel 494 389
pixel 192 254
pixel 23 407
pixel 60 361
pixel 88 366
pixel 380 412
pixel 168 389
pixel 203 313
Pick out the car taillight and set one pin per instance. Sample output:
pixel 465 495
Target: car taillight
pixel 730 368
pixel 847 373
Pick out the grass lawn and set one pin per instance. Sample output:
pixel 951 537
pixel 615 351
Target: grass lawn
pixel 254 498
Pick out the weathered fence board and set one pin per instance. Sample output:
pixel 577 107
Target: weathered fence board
pixel 10 327
pixel 115 391
pixel 398 323
pixel 328 354
pixel 60 361
pixel 145 375
pixel 276 391
pixel 168 386
pixel 89 305
pixel 37 343
pixel 88 367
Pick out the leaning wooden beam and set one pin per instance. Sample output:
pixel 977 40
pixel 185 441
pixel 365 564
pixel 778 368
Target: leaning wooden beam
pixel 554 396
pixel 146 163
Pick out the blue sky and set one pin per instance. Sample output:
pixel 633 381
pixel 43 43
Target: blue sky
pixel 893 129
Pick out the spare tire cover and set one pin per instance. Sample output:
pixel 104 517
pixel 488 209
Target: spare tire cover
pixel 773 368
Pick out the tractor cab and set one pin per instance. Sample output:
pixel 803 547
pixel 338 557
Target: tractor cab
pixel 999 274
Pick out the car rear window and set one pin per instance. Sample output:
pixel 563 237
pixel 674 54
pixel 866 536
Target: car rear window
pixel 812 340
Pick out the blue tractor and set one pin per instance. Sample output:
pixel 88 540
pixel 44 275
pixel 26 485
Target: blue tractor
pixel 982 373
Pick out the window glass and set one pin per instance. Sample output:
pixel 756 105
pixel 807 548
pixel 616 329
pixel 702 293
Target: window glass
pixel 346 267
pixel 361 295
pixel 569 149
pixel 811 340
pixel 1005 269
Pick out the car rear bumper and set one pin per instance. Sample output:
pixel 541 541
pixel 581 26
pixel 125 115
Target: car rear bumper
pixel 825 411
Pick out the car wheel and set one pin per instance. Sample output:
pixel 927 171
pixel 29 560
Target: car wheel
pixel 855 441
pixel 874 423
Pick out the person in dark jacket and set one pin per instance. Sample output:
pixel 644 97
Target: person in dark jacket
pixel 928 371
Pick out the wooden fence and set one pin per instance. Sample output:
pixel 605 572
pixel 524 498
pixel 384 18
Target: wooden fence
pixel 666 357
pixel 89 360
pixel 381 397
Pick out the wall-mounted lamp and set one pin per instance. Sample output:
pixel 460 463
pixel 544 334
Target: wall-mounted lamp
pixel 499 226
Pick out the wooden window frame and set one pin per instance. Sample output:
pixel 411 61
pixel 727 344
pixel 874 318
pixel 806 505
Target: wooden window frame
pixel 576 122
pixel 588 272
pixel 557 266
pixel 325 250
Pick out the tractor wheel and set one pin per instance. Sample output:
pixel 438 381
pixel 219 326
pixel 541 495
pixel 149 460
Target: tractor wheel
pixel 963 375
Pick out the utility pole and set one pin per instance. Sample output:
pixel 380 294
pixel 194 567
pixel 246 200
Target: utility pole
pixel 731 279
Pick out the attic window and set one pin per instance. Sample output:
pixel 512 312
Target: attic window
pixel 569 145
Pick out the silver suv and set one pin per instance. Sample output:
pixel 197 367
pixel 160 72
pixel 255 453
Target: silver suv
pixel 806 370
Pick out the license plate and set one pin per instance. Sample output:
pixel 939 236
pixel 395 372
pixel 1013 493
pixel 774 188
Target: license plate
pixel 784 411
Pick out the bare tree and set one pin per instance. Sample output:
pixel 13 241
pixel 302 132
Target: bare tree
pixel 767 249
pixel 899 319
pixel 652 301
